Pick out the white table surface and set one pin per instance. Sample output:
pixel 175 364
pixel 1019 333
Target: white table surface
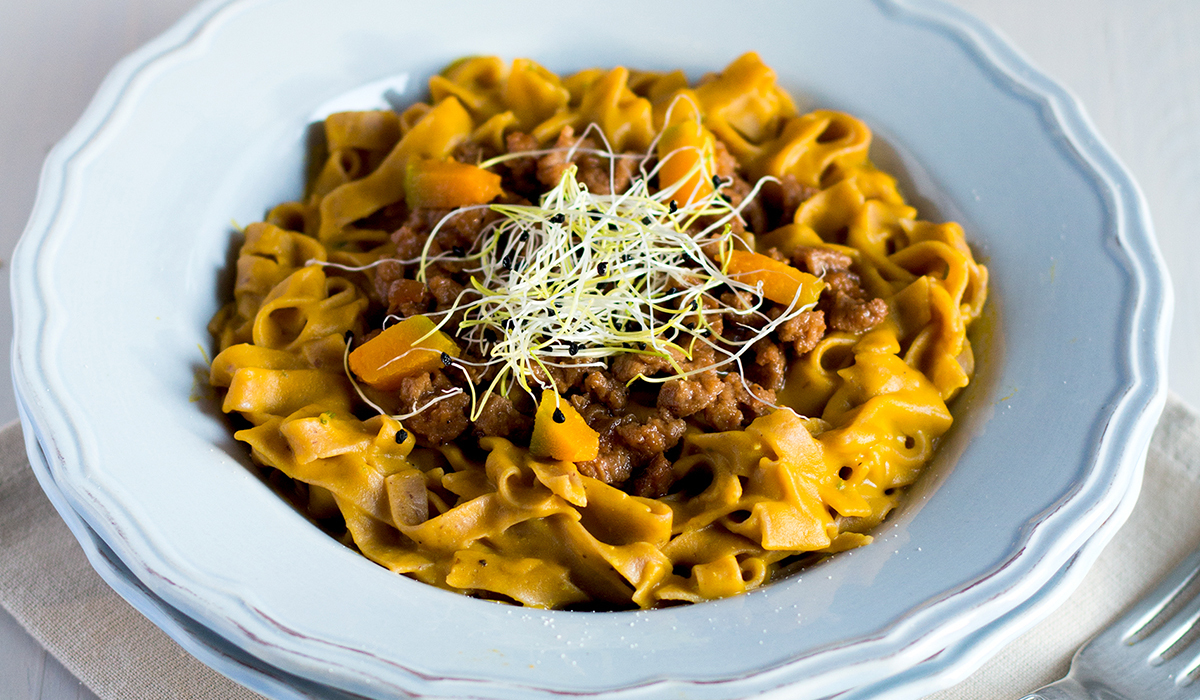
pixel 1135 64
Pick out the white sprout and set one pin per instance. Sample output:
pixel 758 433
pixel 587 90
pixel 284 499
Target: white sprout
pixel 583 276
pixel 590 276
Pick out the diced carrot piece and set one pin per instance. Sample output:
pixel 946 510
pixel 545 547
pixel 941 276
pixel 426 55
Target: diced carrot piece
pixel 687 155
pixel 446 184
pixel 569 440
pixel 781 283
pixel 409 347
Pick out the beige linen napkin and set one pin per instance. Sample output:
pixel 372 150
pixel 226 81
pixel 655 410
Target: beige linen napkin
pixel 47 584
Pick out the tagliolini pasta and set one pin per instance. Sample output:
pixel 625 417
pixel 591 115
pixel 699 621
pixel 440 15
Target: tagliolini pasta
pixel 602 341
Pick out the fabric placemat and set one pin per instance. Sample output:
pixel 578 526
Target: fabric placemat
pixel 47 584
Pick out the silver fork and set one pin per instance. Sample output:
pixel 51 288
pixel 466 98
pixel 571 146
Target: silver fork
pixel 1151 653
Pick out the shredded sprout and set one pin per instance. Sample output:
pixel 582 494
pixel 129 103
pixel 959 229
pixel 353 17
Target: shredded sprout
pixel 583 276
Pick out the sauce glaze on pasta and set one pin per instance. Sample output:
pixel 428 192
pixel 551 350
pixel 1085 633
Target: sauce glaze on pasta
pixel 769 405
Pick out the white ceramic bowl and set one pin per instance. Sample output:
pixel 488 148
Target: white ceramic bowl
pixel 941 670
pixel 117 276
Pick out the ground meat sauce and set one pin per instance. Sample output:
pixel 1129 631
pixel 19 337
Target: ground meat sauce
pixel 594 170
pixel 500 418
pixel 638 407
pixel 803 332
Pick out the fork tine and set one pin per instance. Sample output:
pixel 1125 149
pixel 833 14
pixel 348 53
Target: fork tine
pixel 1148 619
pixel 1177 668
pixel 1187 631
pixel 1151 652
pixel 1177 618
pixel 1190 672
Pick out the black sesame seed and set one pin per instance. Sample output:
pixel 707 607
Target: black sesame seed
pixel 559 416
pixel 573 348
pixel 717 182
pixel 401 436
pixel 674 207
pixel 602 268
pixel 646 221
pixel 446 360
pixel 558 219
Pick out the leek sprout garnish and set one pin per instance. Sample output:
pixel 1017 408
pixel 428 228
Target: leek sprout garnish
pixel 590 276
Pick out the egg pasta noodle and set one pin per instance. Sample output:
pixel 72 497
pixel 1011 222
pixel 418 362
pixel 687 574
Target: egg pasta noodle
pixel 603 341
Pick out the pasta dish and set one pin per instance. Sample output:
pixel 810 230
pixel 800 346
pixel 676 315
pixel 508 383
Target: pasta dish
pixel 603 341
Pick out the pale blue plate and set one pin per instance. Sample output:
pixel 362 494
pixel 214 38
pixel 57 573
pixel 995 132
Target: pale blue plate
pixel 117 275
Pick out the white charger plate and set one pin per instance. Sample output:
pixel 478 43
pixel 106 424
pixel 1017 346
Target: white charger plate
pixel 115 279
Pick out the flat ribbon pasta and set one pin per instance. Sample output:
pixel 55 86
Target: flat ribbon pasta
pixel 857 412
